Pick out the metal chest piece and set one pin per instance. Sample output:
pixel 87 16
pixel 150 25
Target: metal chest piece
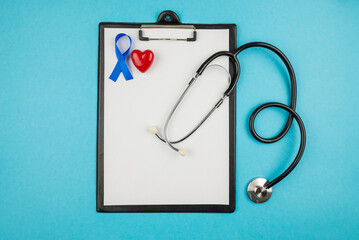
pixel 257 192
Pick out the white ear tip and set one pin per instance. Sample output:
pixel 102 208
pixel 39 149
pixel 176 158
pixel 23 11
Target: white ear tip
pixel 182 152
pixel 153 129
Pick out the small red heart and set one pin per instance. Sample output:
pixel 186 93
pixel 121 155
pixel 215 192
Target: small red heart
pixel 142 60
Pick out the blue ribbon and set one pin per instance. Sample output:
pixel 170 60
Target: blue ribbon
pixel 121 65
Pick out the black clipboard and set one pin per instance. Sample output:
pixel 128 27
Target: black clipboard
pixel 165 19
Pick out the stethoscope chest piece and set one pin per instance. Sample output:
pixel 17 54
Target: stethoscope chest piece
pixel 257 192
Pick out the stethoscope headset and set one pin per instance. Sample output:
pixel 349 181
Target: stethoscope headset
pixel 259 190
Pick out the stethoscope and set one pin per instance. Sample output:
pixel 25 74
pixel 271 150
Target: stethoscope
pixel 259 190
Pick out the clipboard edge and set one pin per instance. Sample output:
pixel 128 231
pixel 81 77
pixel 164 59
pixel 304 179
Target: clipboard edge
pixel 189 208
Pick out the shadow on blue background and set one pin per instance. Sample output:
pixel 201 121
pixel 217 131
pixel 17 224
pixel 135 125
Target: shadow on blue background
pixel 48 100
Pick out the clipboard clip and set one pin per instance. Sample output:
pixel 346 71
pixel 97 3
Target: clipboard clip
pixel 169 20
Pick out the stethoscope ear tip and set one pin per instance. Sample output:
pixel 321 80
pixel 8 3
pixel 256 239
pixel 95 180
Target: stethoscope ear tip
pixel 257 192
pixel 153 129
pixel 182 152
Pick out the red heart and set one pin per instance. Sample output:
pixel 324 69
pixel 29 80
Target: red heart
pixel 142 60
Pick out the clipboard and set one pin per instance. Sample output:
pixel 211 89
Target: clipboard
pixel 135 171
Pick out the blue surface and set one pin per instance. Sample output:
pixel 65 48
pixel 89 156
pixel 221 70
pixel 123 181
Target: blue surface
pixel 48 99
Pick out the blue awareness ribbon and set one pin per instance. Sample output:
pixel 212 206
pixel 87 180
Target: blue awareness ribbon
pixel 121 65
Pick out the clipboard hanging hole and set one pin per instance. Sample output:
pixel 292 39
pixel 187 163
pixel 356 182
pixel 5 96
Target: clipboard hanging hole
pixel 168 17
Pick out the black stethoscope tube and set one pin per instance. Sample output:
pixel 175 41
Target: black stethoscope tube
pixel 302 135
pixel 293 97
pixel 291 109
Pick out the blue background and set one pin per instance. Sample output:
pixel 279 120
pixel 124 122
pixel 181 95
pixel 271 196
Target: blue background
pixel 48 100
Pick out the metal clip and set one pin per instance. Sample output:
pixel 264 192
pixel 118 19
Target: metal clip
pixel 154 26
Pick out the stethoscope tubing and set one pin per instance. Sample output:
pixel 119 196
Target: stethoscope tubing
pixel 302 137
pixel 293 82
pixel 291 108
